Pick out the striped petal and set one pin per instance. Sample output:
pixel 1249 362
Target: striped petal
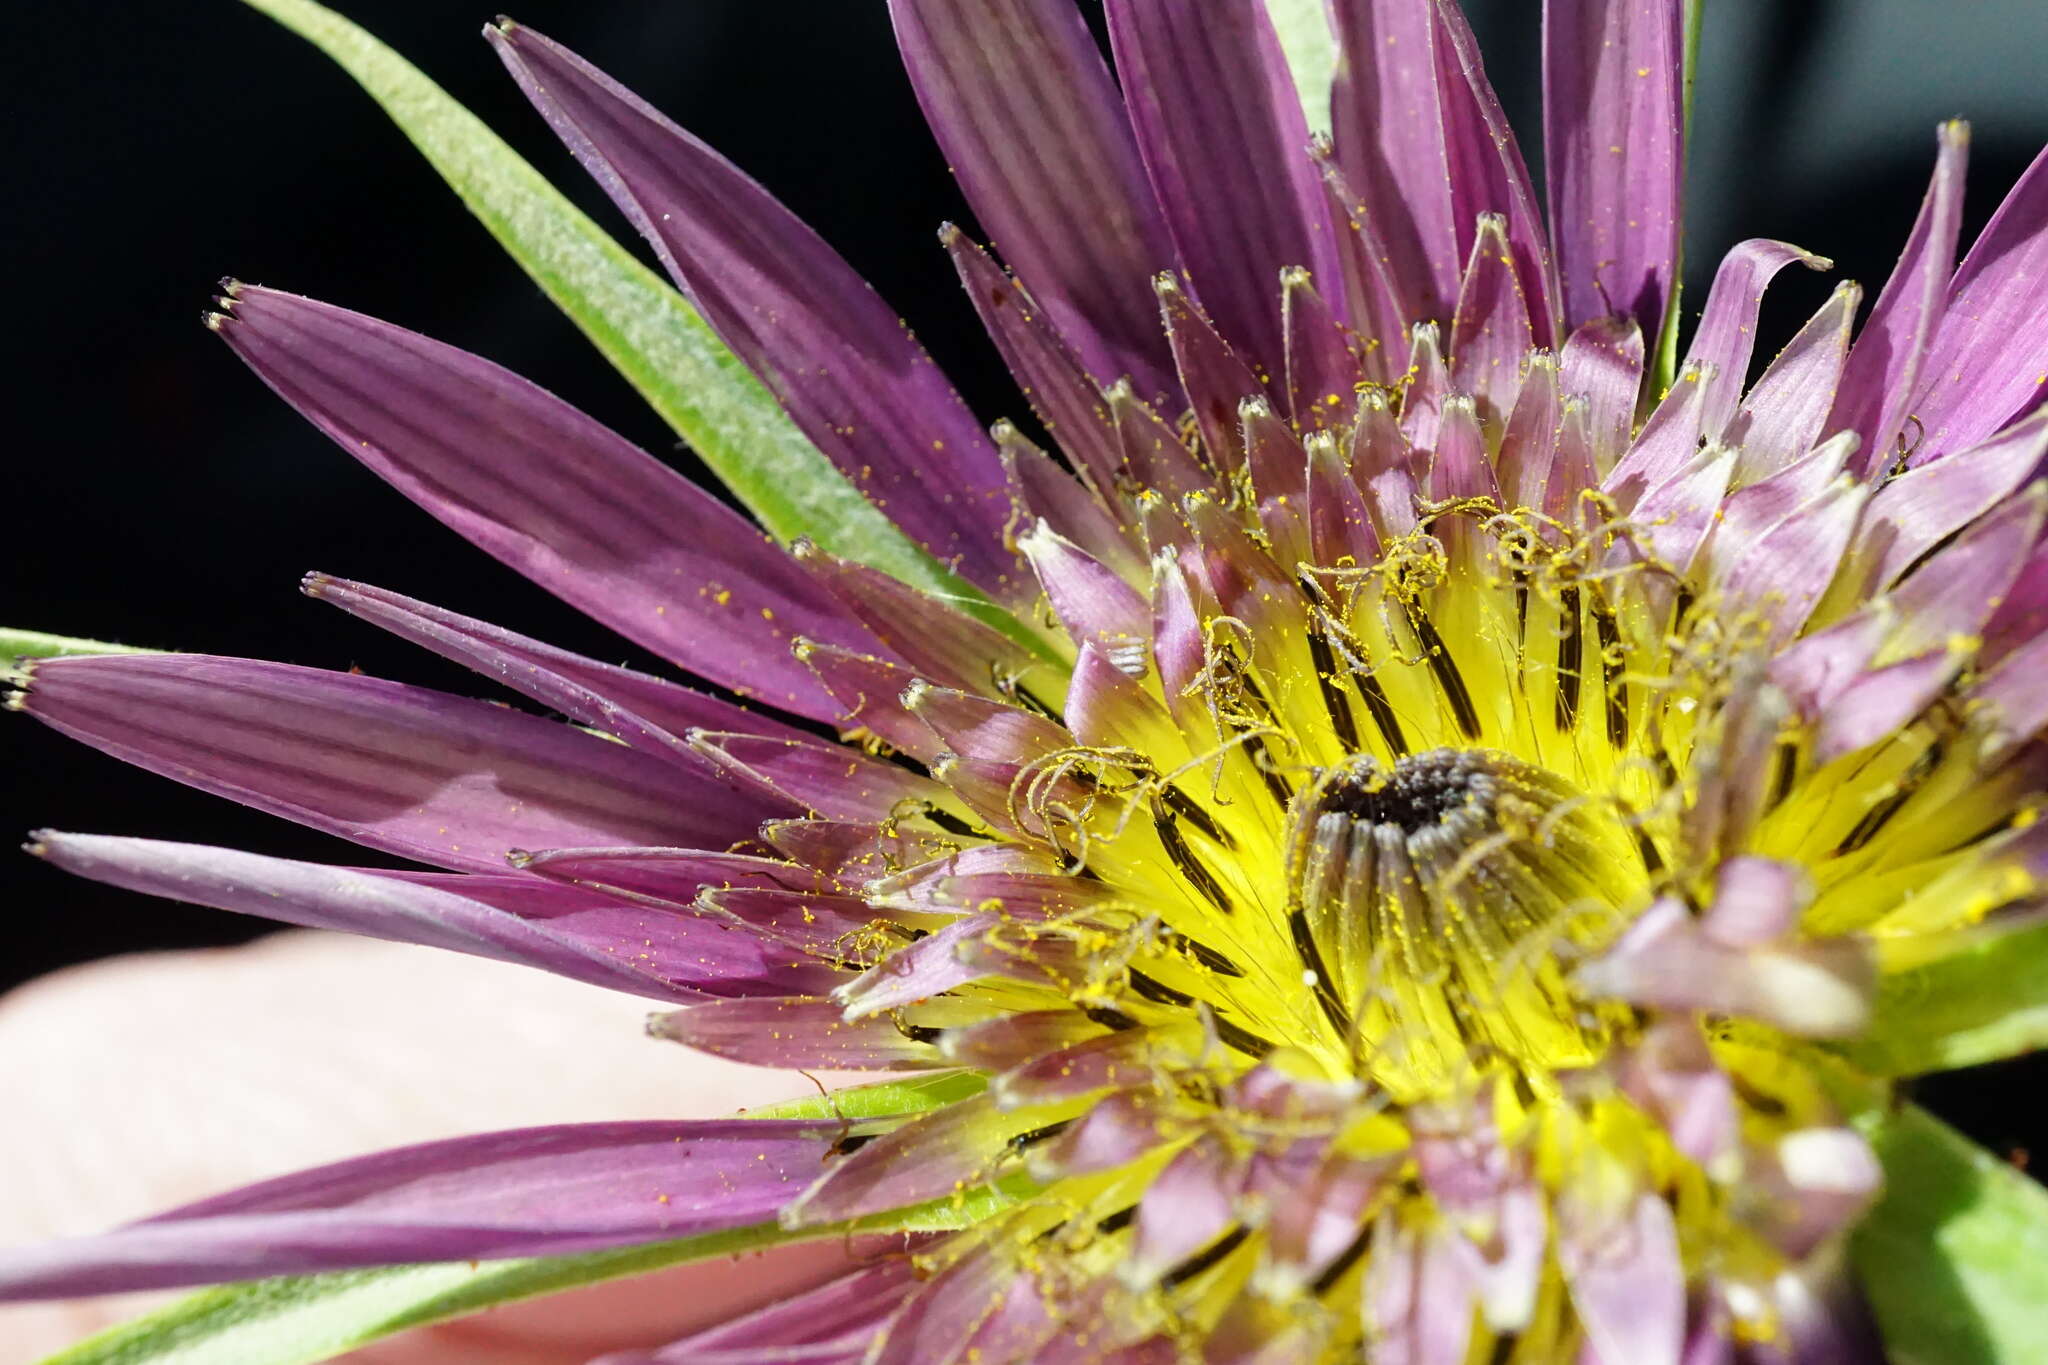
pixel 1884 368
pixel 1989 355
pixel 1225 143
pixel 834 354
pixel 543 488
pixel 641 710
pixel 1388 128
pixel 418 773
pixel 830 1325
pixel 1614 155
pixel 795 1033
pixel 527 1192
pixel 1034 129
pixel 576 935
pixel 1726 332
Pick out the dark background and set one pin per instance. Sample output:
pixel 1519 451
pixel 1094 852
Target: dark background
pixel 155 494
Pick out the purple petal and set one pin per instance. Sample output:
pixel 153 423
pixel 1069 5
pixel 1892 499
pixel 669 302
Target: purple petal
pixel 1066 398
pixel 1603 363
pixel 937 640
pixel 645 712
pixel 1186 1207
pixel 365 902
pixel 1674 1078
pixel 842 1316
pixel 1012 1039
pixel 1211 374
pixel 1817 990
pixel 529 1192
pixel 1322 373
pixel 1339 519
pixel 546 490
pixel 1460 469
pixel 1627 1281
pixel 1884 368
pixel 1372 295
pixel 935 1154
pixel 1669 443
pixel 1787 567
pixel 674 875
pixel 1418 1296
pixel 1782 416
pixel 836 356
pixel 442 779
pixel 1033 127
pixel 836 930
pixel 1614 155
pixel 1154 456
pixel 1092 602
pixel 1486 168
pixel 1528 444
pixel 692 949
pixel 980 728
pixel 1382 465
pixel 1429 383
pixel 1492 333
pixel 1272 450
pixel 1388 128
pixel 835 780
pixel 1913 513
pixel 870 691
pixel 931 966
pixel 1749 512
pixel 1727 328
pixel 1985 366
pixel 1043 490
pixel 795 1034
pixel 1312 1225
pixel 1575 469
pixel 1115 1131
pixel 1225 144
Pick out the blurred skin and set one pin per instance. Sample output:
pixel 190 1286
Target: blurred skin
pixel 140 1083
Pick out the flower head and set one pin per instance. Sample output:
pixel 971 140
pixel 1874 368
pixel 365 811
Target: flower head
pixel 1378 837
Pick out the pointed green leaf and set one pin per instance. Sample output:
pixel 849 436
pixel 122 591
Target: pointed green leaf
pixel 1978 996
pixel 913 1096
pixel 645 328
pixel 1311 48
pixel 1954 1258
pixel 35 644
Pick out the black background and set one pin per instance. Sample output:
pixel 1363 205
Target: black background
pixel 155 494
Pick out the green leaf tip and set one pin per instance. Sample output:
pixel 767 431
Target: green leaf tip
pixel 1954 1257
pixel 36 644
pixel 649 333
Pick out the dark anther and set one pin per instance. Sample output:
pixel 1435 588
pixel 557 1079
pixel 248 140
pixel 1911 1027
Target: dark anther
pixel 1026 1140
pixel 1242 1039
pixel 1202 1260
pixel 1118 1221
pixel 1157 991
pixel 1346 1259
pixel 1571 650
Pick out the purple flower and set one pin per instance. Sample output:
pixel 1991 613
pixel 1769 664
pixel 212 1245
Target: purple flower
pixel 1379 849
